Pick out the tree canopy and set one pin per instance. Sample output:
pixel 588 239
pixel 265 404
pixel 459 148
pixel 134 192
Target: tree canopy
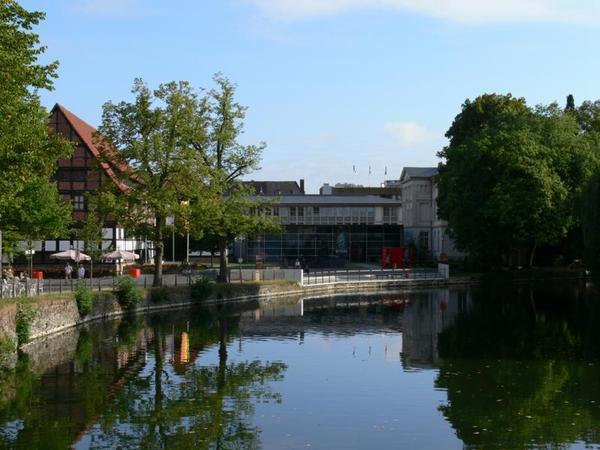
pixel 157 165
pixel 28 152
pixel 510 177
pixel 224 211
pixel 183 161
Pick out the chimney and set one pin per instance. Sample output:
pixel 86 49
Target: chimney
pixel 302 185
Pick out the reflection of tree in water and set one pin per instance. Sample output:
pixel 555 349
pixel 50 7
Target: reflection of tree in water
pixel 207 407
pixel 521 369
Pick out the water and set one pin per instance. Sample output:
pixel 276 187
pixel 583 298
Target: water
pixel 495 367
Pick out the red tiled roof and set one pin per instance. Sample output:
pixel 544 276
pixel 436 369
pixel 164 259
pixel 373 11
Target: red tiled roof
pixel 86 133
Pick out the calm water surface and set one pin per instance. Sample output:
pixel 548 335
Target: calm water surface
pixel 494 367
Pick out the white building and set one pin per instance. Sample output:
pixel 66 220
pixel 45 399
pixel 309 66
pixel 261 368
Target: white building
pixel 422 225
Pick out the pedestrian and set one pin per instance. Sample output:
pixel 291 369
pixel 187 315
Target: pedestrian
pixel 68 271
pixel 297 263
pixel 81 272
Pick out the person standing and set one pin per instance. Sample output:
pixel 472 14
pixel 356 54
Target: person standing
pixel 81 272
pixel 68 271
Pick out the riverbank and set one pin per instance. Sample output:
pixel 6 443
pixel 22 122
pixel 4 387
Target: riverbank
pixel 55 313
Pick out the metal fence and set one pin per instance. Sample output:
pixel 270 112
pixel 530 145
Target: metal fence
pixel 357 275
pixel 16 287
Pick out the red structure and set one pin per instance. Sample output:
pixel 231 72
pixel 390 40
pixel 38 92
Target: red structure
pixel 397 257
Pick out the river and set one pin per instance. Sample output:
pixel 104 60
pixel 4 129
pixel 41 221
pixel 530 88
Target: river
pixel 488 367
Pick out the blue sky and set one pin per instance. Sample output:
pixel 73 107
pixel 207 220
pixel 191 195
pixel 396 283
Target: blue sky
pixel 330 84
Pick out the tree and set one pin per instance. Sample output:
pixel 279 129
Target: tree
pixel 570 104
pixel 152 136
pixel 90 230
pixel 28 152
pixel 510 176
pixel 224 211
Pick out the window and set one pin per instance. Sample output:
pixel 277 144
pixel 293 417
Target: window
pixel 424 240
pixel 300 212
pixel 316 211
pixel 276 211
pixel 292 211
pixel 78 203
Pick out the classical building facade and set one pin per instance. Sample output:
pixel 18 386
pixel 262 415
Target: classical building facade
pixel 422 225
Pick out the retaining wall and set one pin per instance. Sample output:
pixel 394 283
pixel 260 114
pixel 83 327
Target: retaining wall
pixel 57 313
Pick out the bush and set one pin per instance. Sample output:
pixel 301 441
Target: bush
pixel 84 298
pixel 7 348
pixel 128 294
pixel 201 290
pixel 159 295
pixel 26 313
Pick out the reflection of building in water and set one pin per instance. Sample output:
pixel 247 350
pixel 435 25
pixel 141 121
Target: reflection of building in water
pixel 428 314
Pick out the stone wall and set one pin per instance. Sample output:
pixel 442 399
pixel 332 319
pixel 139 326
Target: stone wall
pixel 57 313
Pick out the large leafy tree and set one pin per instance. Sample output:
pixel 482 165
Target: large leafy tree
pixel 29 203
pixel 510 175
pixel 224 211
pixel 588 117
pixel 154 159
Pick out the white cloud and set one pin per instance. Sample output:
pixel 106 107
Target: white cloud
pixel 465 11
pixel 408 134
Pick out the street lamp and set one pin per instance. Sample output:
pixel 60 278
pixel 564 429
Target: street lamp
pixel 186 203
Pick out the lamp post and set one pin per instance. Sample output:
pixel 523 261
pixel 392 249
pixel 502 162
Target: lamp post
pixel 186 203
pixel 187 248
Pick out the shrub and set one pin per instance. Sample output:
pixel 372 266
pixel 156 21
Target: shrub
pixel 159 295
pixel 7 347
pixel 201 290
pixel 26 313
pixel 84 298
pixel 128 294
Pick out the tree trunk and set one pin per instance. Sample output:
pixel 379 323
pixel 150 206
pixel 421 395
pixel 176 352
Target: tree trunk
pixel 222 261
pixel 532 255
pixel 158 257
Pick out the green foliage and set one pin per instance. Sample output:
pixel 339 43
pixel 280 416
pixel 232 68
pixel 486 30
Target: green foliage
pixel 29 204
pixel 223 210
pixel 85 299
pixel 26 314
pixel 91 229
pixel 128 294
pixel 185 162
pixel 153 136
pixel 8 347
pixel 201 290
pixel 511 176
pixel 159 295
pixel 591 224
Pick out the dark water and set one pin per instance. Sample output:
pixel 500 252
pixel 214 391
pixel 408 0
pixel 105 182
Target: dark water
pixel 495 367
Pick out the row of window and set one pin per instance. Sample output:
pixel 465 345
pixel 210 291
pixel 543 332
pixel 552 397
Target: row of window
pixel 318 211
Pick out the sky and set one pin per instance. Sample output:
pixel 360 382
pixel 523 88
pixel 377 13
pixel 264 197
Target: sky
pixel 334 87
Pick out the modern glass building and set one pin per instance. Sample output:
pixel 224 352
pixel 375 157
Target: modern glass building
pixel 327 230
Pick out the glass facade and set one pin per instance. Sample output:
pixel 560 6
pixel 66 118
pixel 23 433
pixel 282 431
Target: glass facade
pixel 325 245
